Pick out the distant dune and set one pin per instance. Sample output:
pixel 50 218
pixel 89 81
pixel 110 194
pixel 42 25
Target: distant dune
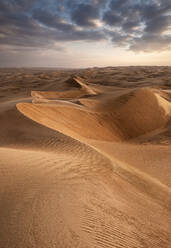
pixel 85 158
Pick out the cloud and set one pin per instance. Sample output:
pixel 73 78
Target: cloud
pixel 38 27
pixel 39 24
pixel 85 14
pixel 158 24
pixel 51 20
pixel 141 24
pixel 112 18
pixel 152 43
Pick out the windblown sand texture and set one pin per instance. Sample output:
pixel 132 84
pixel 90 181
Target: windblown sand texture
pixel 85 158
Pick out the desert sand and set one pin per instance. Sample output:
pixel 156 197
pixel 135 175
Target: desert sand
pixel 85 158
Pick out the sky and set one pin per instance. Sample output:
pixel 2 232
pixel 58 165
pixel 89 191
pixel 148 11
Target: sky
pixel 78 34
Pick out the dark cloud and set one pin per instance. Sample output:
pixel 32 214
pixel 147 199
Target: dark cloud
pixel 39 27
pixel 134 24
pixel 151 43
pixel 24 4
pixel 117 4
pixel 112 18
pixel 51 20
pixel 85 14
pixel 158 24
pixel 142 24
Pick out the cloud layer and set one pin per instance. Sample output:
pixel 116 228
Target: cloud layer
pixel 139 25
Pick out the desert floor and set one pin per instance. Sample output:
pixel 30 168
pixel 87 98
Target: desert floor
pixel 85 158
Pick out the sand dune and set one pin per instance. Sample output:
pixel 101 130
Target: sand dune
pixel 108 119
pixel 84 165
pixel 79 89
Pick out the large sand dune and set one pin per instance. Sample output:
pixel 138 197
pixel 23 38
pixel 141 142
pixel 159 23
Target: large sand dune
pixel 109 118
pixel 84 164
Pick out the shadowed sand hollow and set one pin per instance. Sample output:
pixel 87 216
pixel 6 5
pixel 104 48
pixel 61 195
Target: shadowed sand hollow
pixel 80 168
